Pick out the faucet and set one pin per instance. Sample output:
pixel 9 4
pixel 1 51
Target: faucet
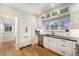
pixel 52 32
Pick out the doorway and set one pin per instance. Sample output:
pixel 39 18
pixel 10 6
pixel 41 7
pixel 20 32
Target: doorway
pixel 7 35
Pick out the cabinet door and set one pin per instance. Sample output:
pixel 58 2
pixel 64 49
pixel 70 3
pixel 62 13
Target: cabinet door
pixel 67 46
pixel 74 51
pixel 35 39
pixel 64 47
pixel 46 42
pixel 59 47
pixel 68 50
pixel 52 44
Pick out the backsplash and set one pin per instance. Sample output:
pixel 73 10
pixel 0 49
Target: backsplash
pixel 74 33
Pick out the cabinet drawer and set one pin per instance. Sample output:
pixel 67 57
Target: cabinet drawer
pixel 46 42
pixel 64 42
pixel 64 51
pixel 61 51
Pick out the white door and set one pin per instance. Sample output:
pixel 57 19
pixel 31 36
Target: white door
pixel 23 32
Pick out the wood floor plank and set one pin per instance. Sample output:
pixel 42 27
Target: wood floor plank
pixel 9 49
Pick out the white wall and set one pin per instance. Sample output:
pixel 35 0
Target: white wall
pixel 74 19
pixel 74 16
pixel 74 33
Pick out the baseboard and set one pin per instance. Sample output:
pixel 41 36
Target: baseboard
pixel 5 40
pixel 26 46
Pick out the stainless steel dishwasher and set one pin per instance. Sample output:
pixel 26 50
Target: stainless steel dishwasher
pixel 40 40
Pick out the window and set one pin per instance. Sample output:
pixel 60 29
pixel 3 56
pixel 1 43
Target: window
pixel 47 27
pixel 7 27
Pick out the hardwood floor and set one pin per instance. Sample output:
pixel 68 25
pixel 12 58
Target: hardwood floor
pixel 8 49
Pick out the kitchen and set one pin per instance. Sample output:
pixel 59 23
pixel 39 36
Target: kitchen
pixel 59 30
pixel 51 26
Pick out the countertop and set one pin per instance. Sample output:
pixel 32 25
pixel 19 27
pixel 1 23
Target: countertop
pixel 60 37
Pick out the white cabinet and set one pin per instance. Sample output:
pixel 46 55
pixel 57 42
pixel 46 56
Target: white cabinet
pixel 60 46
pixel 35 39
pixel 50 43
pixel 46 42
pixel 65 47
pixel 74 48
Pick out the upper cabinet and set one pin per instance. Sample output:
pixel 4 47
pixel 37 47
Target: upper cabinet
pixel 55 13
pixel 64 10
pixel 55 20
pixel 42 17
pixel 48 15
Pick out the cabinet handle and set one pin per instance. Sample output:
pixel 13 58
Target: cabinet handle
pixel 63 46
pixel 26 36
pixel 63 52
pixel 63 41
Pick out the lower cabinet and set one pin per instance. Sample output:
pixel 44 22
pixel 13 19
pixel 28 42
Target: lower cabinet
pixel 74 49
pixel 52 44
pixel 60 46
pixel 46 42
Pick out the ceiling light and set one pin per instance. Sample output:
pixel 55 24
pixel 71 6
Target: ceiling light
pixel 52 5
pixel 39 12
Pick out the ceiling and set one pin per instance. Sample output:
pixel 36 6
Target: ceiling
pixel 33 8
